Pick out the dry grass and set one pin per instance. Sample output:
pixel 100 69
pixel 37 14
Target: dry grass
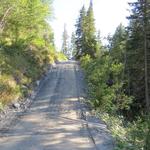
pixel 9 90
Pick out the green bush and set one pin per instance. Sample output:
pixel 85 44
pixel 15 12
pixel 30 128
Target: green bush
pixel 110 101
pixel 129 136
pixel 60 56
pixel 109 98
pixel 85 60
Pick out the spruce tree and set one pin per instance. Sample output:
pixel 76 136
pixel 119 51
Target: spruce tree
pixel 99 44
pixel 86 33
pixel 90 33
pixel 80 31
pixel 138 55
pixel 65 47
pixel 118 44
pixel 73 45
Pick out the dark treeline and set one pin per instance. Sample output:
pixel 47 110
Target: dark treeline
pixel 118 75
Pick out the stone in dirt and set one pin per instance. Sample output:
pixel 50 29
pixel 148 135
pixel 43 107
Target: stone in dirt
pixel 16 105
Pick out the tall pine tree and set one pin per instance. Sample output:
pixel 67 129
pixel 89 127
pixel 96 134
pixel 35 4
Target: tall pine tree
pixel 86 33
pixel 118 44
pixel 90 33
pixel 65 47
pixel 138 55
pixel 80 31
pixel 73 45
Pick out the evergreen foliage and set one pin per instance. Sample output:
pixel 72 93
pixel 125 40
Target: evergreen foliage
pixel 86 41
pixel 118 80
pixel 137 68
pixel 118 76
pixel 65 44
pixel 118 44
pixel 80 30
pixel 73 48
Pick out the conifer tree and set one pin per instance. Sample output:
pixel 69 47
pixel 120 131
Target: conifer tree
pixel 138 53
pixel 65 47
pixel 90 33
pixel 86 33
pixel 118 44
pixel 98 37
pixel 73 45
pixel 80 31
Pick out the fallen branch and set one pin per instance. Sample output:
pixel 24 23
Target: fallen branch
pixel 2 22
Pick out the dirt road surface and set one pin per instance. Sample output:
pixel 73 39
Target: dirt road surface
pixel 57 119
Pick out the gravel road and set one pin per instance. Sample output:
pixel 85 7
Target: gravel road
pixel 58 119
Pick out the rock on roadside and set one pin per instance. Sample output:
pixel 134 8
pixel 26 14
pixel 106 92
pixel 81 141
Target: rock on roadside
pixel 10 112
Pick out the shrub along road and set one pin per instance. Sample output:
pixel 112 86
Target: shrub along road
pixel 58 119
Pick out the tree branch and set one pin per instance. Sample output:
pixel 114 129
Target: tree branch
pixel 2 21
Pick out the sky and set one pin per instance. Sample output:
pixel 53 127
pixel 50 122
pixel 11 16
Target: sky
pixel 108 15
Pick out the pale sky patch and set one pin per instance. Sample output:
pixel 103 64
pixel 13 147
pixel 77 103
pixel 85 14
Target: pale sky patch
pixel 108 15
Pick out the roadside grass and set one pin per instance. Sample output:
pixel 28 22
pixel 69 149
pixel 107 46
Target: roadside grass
pixel 9 90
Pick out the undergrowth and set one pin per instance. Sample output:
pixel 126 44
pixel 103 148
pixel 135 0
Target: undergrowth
pixel 20 66
pixel 107 97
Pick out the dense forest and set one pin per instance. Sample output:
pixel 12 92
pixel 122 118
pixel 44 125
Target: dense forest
pixel 118 74
pixel 26 46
